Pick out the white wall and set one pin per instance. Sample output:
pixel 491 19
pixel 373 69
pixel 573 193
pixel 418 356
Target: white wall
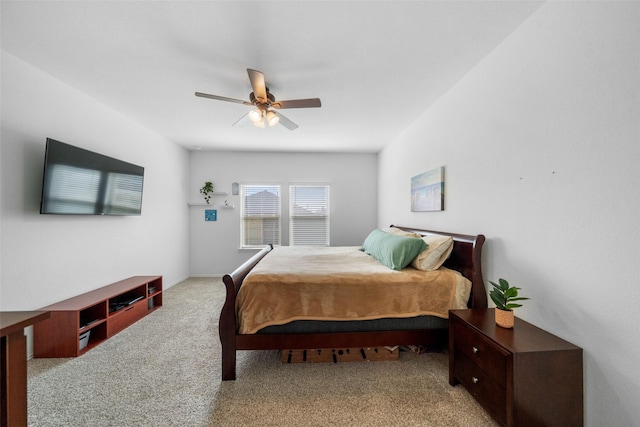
pixel 47 258
pixel 541 149
pixel 214 245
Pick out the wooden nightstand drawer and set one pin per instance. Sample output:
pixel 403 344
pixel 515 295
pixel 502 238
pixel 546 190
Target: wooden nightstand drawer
pixel 523 376
pixel 483 388
pixel 483 353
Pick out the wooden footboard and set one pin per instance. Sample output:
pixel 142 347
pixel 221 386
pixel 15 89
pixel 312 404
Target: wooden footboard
pixel 228 326
pixel 465 258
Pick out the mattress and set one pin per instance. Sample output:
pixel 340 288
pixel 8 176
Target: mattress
pixel 332 285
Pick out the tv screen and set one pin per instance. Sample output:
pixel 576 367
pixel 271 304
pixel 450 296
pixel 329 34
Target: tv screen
pixel 80 182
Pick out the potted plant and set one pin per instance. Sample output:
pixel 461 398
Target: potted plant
pixel 504 297
pixel 207 189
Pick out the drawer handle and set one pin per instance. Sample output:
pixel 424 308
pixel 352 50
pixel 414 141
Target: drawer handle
pixel 475 380
pixel 475 349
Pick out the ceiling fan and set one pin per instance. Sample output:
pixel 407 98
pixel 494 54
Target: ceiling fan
pixel 265 114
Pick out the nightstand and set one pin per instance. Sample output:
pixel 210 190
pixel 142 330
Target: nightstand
pixel 523 376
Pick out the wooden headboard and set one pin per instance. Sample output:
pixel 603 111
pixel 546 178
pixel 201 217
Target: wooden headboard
pixel 466 258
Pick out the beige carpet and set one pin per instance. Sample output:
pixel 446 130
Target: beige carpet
pixel 165 371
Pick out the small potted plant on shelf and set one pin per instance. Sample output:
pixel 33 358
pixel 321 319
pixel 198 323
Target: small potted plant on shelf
pixel 207 189
pixel 504 297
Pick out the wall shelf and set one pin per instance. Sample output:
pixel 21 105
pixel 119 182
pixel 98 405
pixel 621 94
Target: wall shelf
pixel 215 193
pixel 211 205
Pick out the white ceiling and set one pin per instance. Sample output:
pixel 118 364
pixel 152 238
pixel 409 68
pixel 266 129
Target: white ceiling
pixel 376 65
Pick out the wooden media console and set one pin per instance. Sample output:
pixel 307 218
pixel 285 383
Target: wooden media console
pixel 80 323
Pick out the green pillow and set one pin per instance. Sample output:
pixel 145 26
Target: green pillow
pixel 396 252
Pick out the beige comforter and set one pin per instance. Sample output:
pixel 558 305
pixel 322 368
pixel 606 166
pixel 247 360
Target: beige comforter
pixel 341 283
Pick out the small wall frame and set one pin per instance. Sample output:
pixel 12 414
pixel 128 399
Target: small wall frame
pixel 427 191
pixel 210 215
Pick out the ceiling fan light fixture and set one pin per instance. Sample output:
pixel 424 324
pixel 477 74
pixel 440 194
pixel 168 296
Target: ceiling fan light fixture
pixel 261 100
pixel 255 115
pixel 272 118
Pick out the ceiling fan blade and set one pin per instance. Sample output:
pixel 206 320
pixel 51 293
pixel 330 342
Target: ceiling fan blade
pixel 222 98
pixel 257 84
pixel 286 122
pixel 298 103
pixel 242 120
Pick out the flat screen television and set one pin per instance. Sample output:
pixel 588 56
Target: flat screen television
pixel 80 182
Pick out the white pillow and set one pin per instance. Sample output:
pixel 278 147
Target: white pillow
pixel 435 255
pixel 398 232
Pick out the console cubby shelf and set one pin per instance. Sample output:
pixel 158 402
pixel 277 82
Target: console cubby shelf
pixel 78 324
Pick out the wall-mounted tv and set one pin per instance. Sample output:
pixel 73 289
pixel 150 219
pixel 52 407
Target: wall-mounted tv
pixel 80 182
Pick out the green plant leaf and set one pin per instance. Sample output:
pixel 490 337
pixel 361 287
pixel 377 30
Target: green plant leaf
pixel 511 292
pixel 504 295
pixel 497 298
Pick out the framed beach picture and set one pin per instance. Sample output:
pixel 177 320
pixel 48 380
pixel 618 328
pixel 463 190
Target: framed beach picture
pixel 427 191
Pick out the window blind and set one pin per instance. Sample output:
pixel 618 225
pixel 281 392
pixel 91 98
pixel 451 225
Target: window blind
pixel 260 215
pixel 309 215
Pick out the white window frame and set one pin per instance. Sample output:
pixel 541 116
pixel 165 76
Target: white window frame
pixel 309 215
pixel 271 211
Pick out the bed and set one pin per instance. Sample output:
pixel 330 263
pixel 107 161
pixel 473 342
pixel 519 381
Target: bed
pixel 297 326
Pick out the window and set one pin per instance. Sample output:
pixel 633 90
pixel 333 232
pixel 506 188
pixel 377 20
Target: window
pixel 260 215
pixel 309 215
